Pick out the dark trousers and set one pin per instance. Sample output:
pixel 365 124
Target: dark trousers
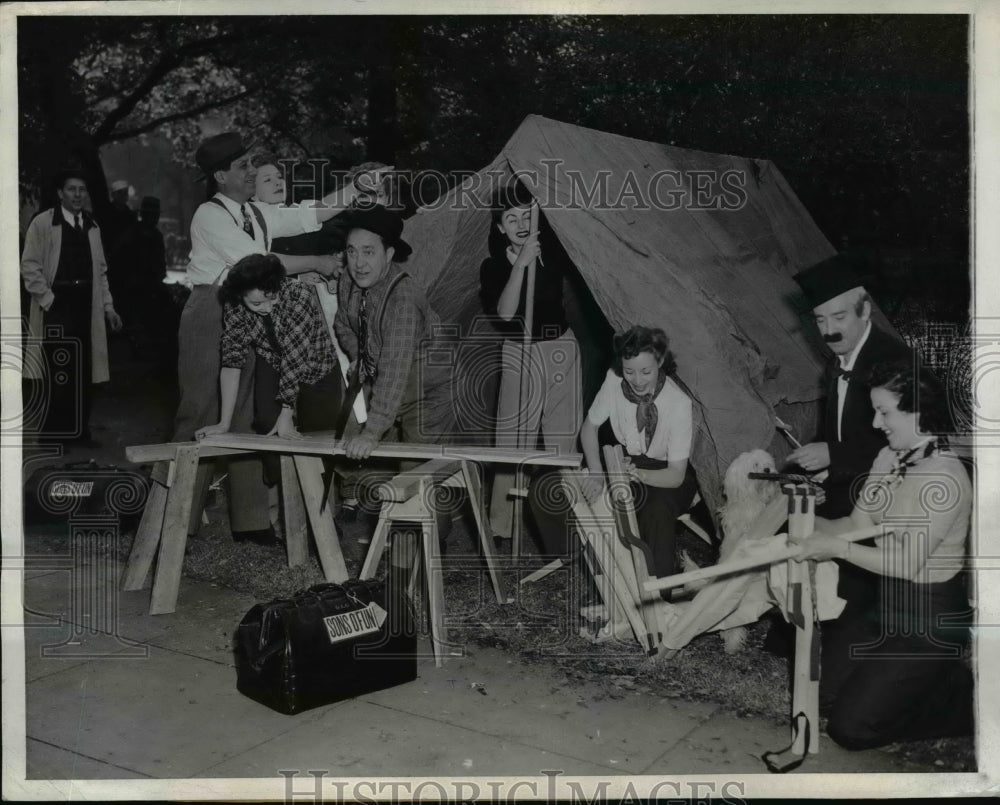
pixel 656 513
pixel 317 408
pixel 68 364
pixel 198 363
pixel 896 673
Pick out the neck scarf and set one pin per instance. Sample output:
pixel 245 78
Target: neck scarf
pixel 646 415
pixel 906 459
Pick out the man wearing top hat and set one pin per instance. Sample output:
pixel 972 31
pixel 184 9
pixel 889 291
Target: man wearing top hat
pixel 225 229
pixel 849 440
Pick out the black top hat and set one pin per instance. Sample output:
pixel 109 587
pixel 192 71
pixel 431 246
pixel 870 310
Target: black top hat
pixel 219 152
pixel 383 222
pixel 828 279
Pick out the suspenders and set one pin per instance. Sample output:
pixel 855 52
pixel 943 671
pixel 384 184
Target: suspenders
pixel 256 213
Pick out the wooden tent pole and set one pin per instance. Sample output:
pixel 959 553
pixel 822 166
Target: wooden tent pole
pixel 516 525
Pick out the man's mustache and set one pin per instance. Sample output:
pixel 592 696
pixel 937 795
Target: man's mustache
pixel 833 338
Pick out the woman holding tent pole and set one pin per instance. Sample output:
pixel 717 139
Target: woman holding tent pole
pixel 540 362
pixel 896 672
pixel 651 418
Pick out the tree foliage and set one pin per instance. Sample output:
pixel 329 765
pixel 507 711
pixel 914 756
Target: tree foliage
pixel 866 115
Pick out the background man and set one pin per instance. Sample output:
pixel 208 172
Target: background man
pixel 65 274
pixel 140 291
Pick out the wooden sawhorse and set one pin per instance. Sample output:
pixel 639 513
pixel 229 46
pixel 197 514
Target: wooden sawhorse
pixel 409 497
pixel 163 529
pixel 162 532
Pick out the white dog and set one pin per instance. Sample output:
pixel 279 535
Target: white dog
pixel 746 498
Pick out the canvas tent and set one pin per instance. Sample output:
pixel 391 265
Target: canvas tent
pixel 717 280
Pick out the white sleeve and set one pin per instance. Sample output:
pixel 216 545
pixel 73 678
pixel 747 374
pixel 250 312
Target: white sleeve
pixel 283 222
pixel 604 403
pixel 213 230
pixel 680 422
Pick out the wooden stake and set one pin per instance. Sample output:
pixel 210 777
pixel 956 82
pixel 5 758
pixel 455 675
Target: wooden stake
pixel 517 517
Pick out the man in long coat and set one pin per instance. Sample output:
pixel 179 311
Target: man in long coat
pixel 65 274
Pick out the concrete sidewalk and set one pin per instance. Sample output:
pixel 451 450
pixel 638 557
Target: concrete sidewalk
pixel 114 693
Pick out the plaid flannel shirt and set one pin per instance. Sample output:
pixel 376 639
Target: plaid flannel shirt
pixel 406 321
pixel 306 348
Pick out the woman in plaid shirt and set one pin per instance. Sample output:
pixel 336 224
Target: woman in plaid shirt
pixel 297 382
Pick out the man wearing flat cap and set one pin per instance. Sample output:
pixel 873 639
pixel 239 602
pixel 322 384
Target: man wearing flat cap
pixel 225 229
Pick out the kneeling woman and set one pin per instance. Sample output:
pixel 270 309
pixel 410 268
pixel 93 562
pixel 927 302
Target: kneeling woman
pixel 651 417
pixel 297 381
pixel 897 673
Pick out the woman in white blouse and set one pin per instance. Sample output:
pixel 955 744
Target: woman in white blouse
pixel 896 673
pixel 651 417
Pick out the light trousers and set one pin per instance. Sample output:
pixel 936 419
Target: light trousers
pixel 540 392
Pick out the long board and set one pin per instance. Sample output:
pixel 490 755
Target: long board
pixel 326 445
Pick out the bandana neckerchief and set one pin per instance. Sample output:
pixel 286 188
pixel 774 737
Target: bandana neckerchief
pixel 646 415
pixel 907 459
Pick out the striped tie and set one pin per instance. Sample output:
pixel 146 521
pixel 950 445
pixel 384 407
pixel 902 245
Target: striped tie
pixel 247 224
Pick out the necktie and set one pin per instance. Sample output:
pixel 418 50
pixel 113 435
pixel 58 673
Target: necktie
pixel 77 223
pixel 247 225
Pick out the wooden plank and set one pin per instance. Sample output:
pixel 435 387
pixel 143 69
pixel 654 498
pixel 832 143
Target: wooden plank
pixel 805 683
pixel 597 531
pixel 294 513
pixel 148 453
pixel 147 539
pixel 738 566
pixel 542 572
pixel 377 544
pixel 310 470
pixel 620 499
pixel 406 484
pixel 161 473
pixel 322 444
pixel 517 515
pixel 435 589
pixel 177 513
pixel 474 490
